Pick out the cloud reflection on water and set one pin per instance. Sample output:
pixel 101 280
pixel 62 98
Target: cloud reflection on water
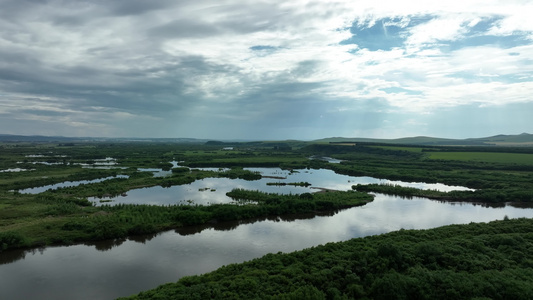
pixel 130 266
pixel 213 190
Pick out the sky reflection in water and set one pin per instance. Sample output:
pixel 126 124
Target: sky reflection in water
pixel 110 269
pixel 128 266
pixel 213 190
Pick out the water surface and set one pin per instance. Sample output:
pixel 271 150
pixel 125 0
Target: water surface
pixel 40 189
pixel 111 269
pixel 213 190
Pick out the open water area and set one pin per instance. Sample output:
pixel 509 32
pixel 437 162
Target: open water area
pixel 114 268
pixel 213 190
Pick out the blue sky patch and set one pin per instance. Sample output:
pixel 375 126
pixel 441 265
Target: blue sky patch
pixel 380 36
pixel 384 34
pixel 401 90
pixel 504 42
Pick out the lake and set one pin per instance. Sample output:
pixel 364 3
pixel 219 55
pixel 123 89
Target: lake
pixel 111 269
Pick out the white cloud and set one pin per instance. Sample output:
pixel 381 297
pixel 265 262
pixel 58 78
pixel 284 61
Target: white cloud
pixel 436 30
pixel 151 60
pixel 517 19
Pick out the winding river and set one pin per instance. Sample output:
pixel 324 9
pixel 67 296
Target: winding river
pixel 111 269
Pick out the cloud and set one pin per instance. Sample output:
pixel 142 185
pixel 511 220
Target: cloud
pixel 436 30
pixel 224 68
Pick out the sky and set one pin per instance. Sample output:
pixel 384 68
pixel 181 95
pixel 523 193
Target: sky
pixel 266 70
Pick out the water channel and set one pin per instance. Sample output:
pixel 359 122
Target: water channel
pixel 37 190
pixel 111 269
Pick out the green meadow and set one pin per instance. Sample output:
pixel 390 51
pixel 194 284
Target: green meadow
pixel 490 157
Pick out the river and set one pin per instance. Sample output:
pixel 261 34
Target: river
pixel 111 269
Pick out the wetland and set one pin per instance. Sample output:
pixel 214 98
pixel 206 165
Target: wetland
pixel 138 218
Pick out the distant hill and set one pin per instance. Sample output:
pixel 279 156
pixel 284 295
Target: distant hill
pixel 524 139
pixel 36 138
pixel 62 139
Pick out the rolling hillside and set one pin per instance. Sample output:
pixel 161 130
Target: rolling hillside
pixel 524 139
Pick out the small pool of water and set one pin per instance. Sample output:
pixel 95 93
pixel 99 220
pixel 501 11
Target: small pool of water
pixel 15 170
pixel 37 190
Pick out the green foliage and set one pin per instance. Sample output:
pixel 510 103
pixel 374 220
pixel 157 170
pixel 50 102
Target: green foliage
pixel 493 157
pixel 11 239
pixel 179 170
pixel 286 204
pixel 165 166
pixel 486 195
pixel 77 225
pixel 237 172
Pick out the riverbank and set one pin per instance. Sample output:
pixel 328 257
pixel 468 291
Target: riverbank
pixel 478 260
pixel 488 196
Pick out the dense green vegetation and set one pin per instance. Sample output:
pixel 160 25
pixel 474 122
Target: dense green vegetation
pixel 476 261
pixel 302 203
pixel 512 158
pixel 485 195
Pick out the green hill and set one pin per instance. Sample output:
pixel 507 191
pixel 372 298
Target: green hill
pixel 524 139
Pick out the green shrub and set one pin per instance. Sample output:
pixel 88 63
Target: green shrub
pixel 11 240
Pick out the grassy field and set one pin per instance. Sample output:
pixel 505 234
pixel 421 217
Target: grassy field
pixel 398 148
pixel 491 157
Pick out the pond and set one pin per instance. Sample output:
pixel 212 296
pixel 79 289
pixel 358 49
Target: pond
pixel 14 170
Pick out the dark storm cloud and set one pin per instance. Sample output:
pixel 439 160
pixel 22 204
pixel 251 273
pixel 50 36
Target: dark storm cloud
pixel 229 19
pixel 82 86
pixel 185 28
pixel 137 7
pixel 161 84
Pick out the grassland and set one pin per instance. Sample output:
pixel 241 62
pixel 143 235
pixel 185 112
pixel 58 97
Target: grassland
pixel 489 157
pixel 401 148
